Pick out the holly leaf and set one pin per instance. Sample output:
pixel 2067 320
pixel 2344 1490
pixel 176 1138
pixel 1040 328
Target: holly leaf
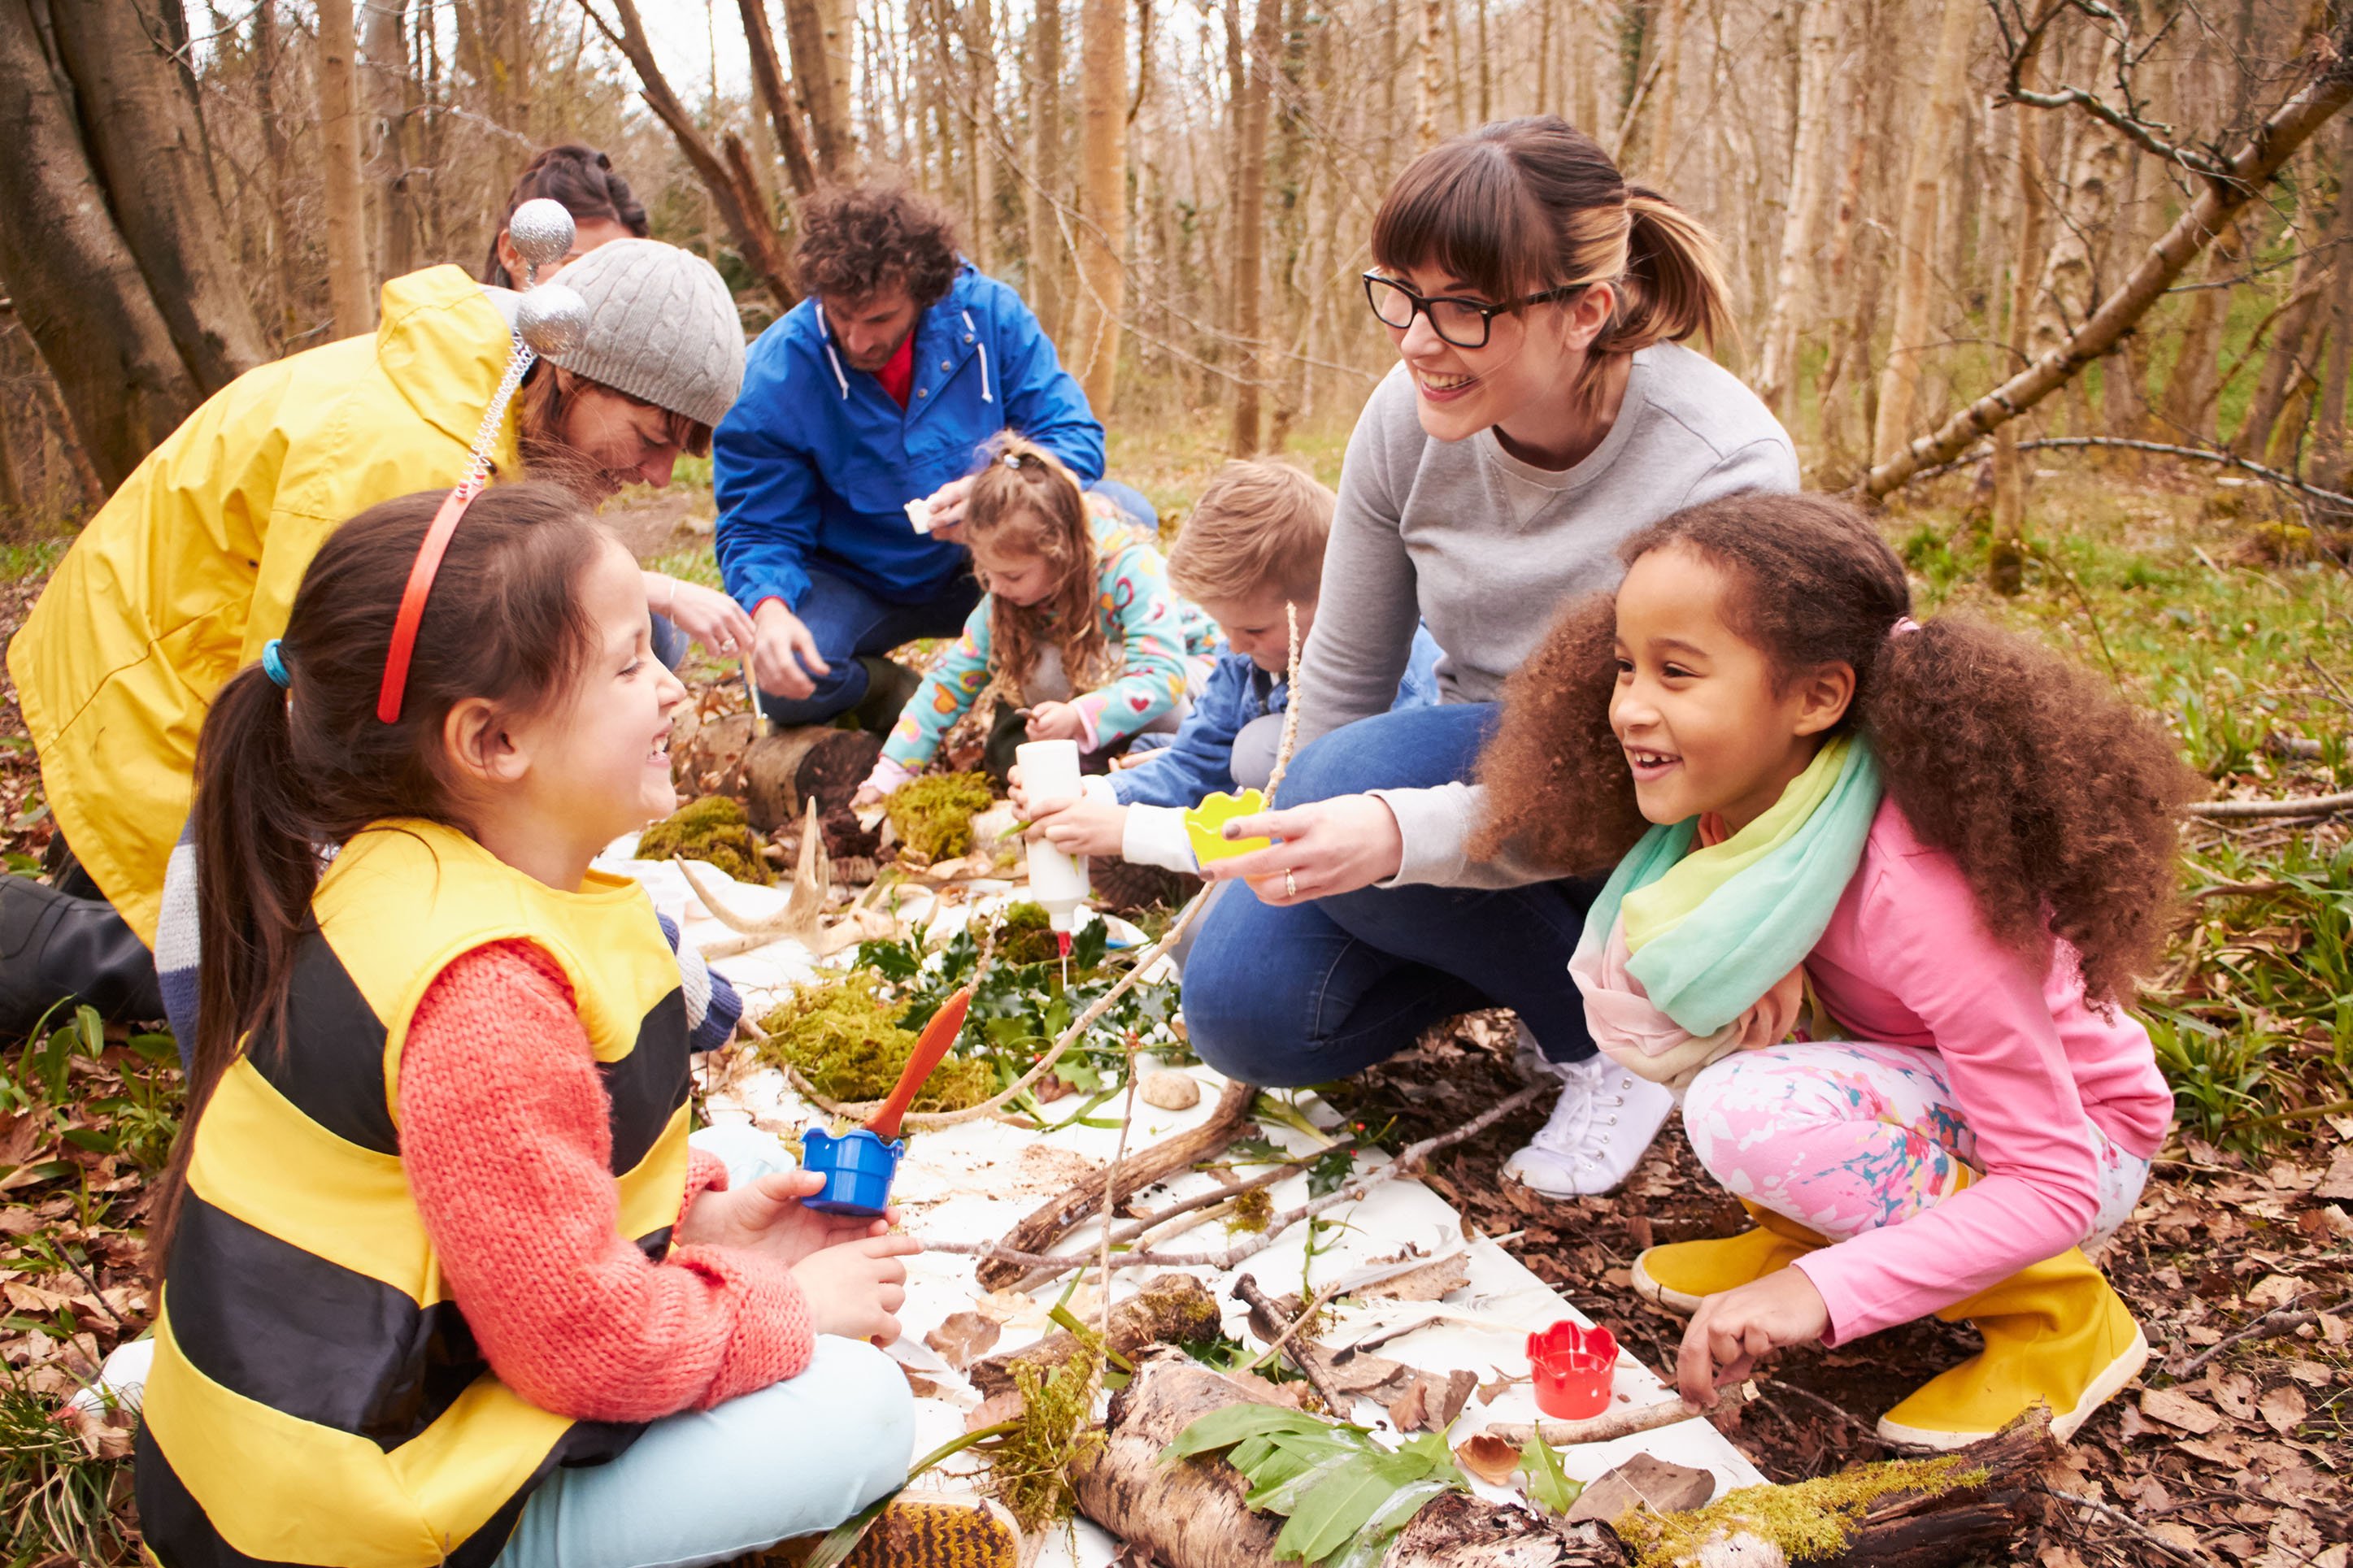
pixel 1331 1172
pixel 1548 1487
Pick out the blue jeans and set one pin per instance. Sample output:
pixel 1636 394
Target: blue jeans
pixel 704 1486
pixel 1285 997
pixel 848 622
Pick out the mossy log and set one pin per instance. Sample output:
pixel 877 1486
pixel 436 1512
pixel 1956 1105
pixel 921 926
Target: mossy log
pixel 1167 1310
pixel 777 774
pixel 1190 1514
pixel 1048 1223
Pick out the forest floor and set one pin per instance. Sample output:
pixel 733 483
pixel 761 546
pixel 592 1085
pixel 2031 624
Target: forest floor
pixel 2236 1446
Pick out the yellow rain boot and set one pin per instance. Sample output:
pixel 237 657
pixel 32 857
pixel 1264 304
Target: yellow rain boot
pixel 2056 1334
pixel 1679 1274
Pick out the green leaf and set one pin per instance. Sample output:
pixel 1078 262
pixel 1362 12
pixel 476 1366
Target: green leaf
pixel 1548 1487
pixel 163 1050
pixel 838 1542
pixel 1372 1543
pixel 96 1140
pixel 1332 1511
pixel 1225 1427
pixel 1331 1172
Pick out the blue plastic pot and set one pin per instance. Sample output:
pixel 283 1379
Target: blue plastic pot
pixel 857 1168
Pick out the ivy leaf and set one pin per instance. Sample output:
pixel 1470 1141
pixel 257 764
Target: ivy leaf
pixel 1548 1487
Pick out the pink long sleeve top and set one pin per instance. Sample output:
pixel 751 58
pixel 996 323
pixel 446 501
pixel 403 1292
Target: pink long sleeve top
pixel 1908 962
pixel 505 1135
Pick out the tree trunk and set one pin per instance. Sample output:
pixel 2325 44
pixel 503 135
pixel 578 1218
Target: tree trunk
pixel 1103 200
pixel 726 173
pixel 2068 289
pixel 768 80
pixel 2284 367
pixel 1047 252
pixel 980 53
pixel 494 41
pixel 351 282
pixel 1425 74
pixel 2329 417
pixel 1656 150
pixel 811 29
pixel 76 287
pixel 2250 169
pixel 2124 386
pixel 1249 226
pixel 283 273
pixel 1818 42
pixel 383 43
pixel 2190 391
pixel 1913 333
pixel 2005 561
pixel 147 148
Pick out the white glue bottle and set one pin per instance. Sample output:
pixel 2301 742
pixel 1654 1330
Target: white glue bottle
pixel 1049 776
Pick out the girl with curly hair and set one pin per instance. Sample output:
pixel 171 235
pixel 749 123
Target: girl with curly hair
pixel 1882 922
pixel 1077 625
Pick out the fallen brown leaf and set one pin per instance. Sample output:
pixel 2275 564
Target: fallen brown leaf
pixel 2283 1408
pixel 1645 1480
pixel 963 1338
pixel 1489 1457
pixel 2176 1408
pixel 2233 1390
pixel 996 1408
pixel 1430 1282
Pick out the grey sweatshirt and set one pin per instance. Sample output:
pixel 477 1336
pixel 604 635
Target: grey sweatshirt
pixel 1485 550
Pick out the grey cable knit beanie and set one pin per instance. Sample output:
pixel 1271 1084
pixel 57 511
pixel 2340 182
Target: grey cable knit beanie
pixel 661 328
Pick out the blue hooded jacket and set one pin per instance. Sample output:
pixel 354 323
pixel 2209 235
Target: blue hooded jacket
pixel 815 463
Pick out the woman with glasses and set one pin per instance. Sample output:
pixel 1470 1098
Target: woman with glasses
pixel 1543 409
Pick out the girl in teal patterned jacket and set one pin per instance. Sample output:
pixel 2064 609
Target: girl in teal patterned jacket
pixel 1077 624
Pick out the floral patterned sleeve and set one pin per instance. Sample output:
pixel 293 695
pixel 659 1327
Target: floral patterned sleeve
pixel 1145 614
pixel 945 695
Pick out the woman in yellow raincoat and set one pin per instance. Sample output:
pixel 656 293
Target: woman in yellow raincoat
pixel 190 567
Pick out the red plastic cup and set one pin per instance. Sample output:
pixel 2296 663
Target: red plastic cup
pixel 1572 1366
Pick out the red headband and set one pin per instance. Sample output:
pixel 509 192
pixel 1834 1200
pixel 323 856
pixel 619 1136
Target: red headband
pixel 412 599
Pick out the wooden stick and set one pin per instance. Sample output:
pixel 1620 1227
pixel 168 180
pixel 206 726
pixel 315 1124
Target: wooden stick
pixel 1054 1267
pixel 1145 1224
pixel 2270 1326
pixel 1247 1290
pixel 1618 1424
pixel 1048 1223
pixel 2304 805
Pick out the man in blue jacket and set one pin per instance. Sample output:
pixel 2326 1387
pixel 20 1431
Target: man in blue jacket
pixel 875 392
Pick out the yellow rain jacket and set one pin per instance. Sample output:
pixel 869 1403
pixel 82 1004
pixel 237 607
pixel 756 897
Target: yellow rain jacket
pixel 192 566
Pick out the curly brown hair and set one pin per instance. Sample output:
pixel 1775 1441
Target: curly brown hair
pixel 857 240
pixel 2056 801
pixel 1023 498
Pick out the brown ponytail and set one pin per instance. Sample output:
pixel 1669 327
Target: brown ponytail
pixel 1520 206
pixel 281 774
pixel 580 177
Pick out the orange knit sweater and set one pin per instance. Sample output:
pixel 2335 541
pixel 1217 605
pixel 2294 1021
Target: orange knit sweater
pixel 504 1134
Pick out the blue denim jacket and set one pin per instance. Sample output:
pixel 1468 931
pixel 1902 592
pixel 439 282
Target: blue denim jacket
pixel 817 463
pixel 1200 760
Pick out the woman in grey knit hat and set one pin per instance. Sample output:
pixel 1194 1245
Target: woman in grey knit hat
pixel 189 568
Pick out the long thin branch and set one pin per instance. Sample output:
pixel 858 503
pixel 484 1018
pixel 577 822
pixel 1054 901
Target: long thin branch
pixel 1052 1265
pixel 1247 1289
pixel 1618 1424
pixel 1145 1225
pixel 2307 805
pixel 2166 450
pixel 2250 169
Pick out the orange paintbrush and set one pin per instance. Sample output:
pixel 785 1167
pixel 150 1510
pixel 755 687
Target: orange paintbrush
pixel 931 1048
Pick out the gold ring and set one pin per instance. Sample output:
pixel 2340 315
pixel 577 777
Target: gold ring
pixel 1290 886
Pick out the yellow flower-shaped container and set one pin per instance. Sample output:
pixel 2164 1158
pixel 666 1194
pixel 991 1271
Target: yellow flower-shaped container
pixel 1205 824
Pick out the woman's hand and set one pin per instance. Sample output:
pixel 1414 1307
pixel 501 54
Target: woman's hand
pixel 765 1215
pixel 706 615
pixel 1327 846
pixel 947 504
pixel 855 1290
pixel 1734 1329
pixel 1057 722
pixel 785 655
pixel 1086 825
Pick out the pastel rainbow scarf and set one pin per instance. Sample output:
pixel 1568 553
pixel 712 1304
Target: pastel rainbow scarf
pixel 1689 954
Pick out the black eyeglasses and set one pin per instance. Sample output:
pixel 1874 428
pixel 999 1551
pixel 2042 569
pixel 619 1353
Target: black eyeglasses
pixel 1463 322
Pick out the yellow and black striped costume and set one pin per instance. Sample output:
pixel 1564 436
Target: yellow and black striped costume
pixel 317 1397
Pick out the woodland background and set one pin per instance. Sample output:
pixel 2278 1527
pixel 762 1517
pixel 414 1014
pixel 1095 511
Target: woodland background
pixel 2125 223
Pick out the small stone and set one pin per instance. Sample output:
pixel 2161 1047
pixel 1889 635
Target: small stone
pixel 1170 1091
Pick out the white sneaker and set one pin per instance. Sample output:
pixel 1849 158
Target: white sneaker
pixel 1601 1126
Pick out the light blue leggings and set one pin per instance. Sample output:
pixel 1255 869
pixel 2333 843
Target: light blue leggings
pixel 794 1458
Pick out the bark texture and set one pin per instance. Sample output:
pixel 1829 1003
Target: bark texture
pixel 1103 202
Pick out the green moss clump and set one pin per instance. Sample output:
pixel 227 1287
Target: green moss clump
pixel 712 829
pixel 1029 1467
pixel 1025 935
pixel 932 815
pixel 1808 1521
pixel 847 1041
pixel 1251 1212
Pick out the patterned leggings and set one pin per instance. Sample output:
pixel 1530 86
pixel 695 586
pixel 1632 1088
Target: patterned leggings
pixel 1845 1137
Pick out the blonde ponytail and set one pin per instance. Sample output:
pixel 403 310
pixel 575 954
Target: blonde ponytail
pixel 1673 285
